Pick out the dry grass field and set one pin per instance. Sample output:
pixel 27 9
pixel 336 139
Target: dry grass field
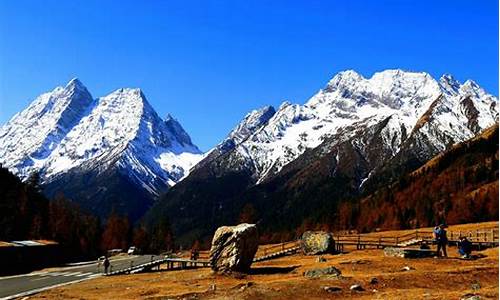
pixel 282 278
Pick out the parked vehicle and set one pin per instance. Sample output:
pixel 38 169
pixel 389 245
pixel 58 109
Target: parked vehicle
pixel 133 250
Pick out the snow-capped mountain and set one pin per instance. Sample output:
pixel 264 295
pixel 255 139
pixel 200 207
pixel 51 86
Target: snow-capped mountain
pixel 458 112
pixel 67 131
pixel 353 136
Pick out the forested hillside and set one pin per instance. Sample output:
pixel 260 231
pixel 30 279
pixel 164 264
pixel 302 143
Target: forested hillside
pixel 458 186
pixel 26 214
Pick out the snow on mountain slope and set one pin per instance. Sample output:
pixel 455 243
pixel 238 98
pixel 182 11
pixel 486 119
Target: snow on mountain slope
pixel 250 124
pixel 442 112
pixel 119 130
pixel 31 135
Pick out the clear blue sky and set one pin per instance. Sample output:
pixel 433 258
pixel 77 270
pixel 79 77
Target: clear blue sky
pixel 210 62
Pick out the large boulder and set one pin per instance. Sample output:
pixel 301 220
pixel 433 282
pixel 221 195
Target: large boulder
pixel 317 242
pixel 234 247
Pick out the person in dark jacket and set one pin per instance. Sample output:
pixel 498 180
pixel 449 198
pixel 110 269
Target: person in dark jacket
pixel 464 247
pixel 442 240
pixel 106 265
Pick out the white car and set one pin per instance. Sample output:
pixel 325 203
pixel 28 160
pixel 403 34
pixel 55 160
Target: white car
pixel 132 250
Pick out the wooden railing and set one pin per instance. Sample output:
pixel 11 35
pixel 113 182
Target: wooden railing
pixel 278 248
pixel 475 236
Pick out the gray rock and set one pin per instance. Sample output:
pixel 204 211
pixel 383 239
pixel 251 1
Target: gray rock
pixel 323 272
pixel 332 289
pixel 408 252
pixel 470 297
pixel 233 248
pixel 317 242
pixel 357 288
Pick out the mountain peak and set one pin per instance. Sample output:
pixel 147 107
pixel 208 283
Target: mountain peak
pixel 169 117
pixel 251 122
pixel 471 88
pixel 344 79
pixel 449 84
pixel 74 81
pixel 399 74
pixel 75 84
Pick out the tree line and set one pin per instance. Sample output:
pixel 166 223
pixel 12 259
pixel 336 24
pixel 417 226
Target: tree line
pixel 26 214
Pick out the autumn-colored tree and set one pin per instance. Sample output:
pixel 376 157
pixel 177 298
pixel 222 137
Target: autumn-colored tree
pixel 196 245
pixel 162 238
pixel 116 232
pixel 141 238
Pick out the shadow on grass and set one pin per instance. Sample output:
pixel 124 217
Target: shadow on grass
pixel 271 270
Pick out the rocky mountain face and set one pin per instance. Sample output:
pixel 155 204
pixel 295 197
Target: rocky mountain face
pixel 95 150
pixel 353 136
pixel 457 186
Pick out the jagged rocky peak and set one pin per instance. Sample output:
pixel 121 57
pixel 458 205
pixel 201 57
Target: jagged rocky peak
pixel 449 85
pixel 31 135
pixel 344 79
pixel 472 89
pixel 250 124
pixel 176 128
pixel 352 101
pixel 395 89
pixel 66 130
pixel 252 121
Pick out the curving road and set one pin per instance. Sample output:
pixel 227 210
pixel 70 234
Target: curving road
pixel 26 284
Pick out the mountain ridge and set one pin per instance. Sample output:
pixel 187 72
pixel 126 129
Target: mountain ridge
pixel 353 132
pixel 120 130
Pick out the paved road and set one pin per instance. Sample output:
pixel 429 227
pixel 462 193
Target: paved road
pixel 22 285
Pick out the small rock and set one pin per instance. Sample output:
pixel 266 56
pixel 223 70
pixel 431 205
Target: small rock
pixel 374 280
pixel 470 297
pixel 354 262
pixel 332 289
pixel 321 259
pixel 213 287
pixel 330 272
pixel 406 268
pixel 476 286
pixel 357 288
pixel 244 286
pixel 375 290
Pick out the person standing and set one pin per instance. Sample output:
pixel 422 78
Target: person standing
pixel 106 265
pixel 442 240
